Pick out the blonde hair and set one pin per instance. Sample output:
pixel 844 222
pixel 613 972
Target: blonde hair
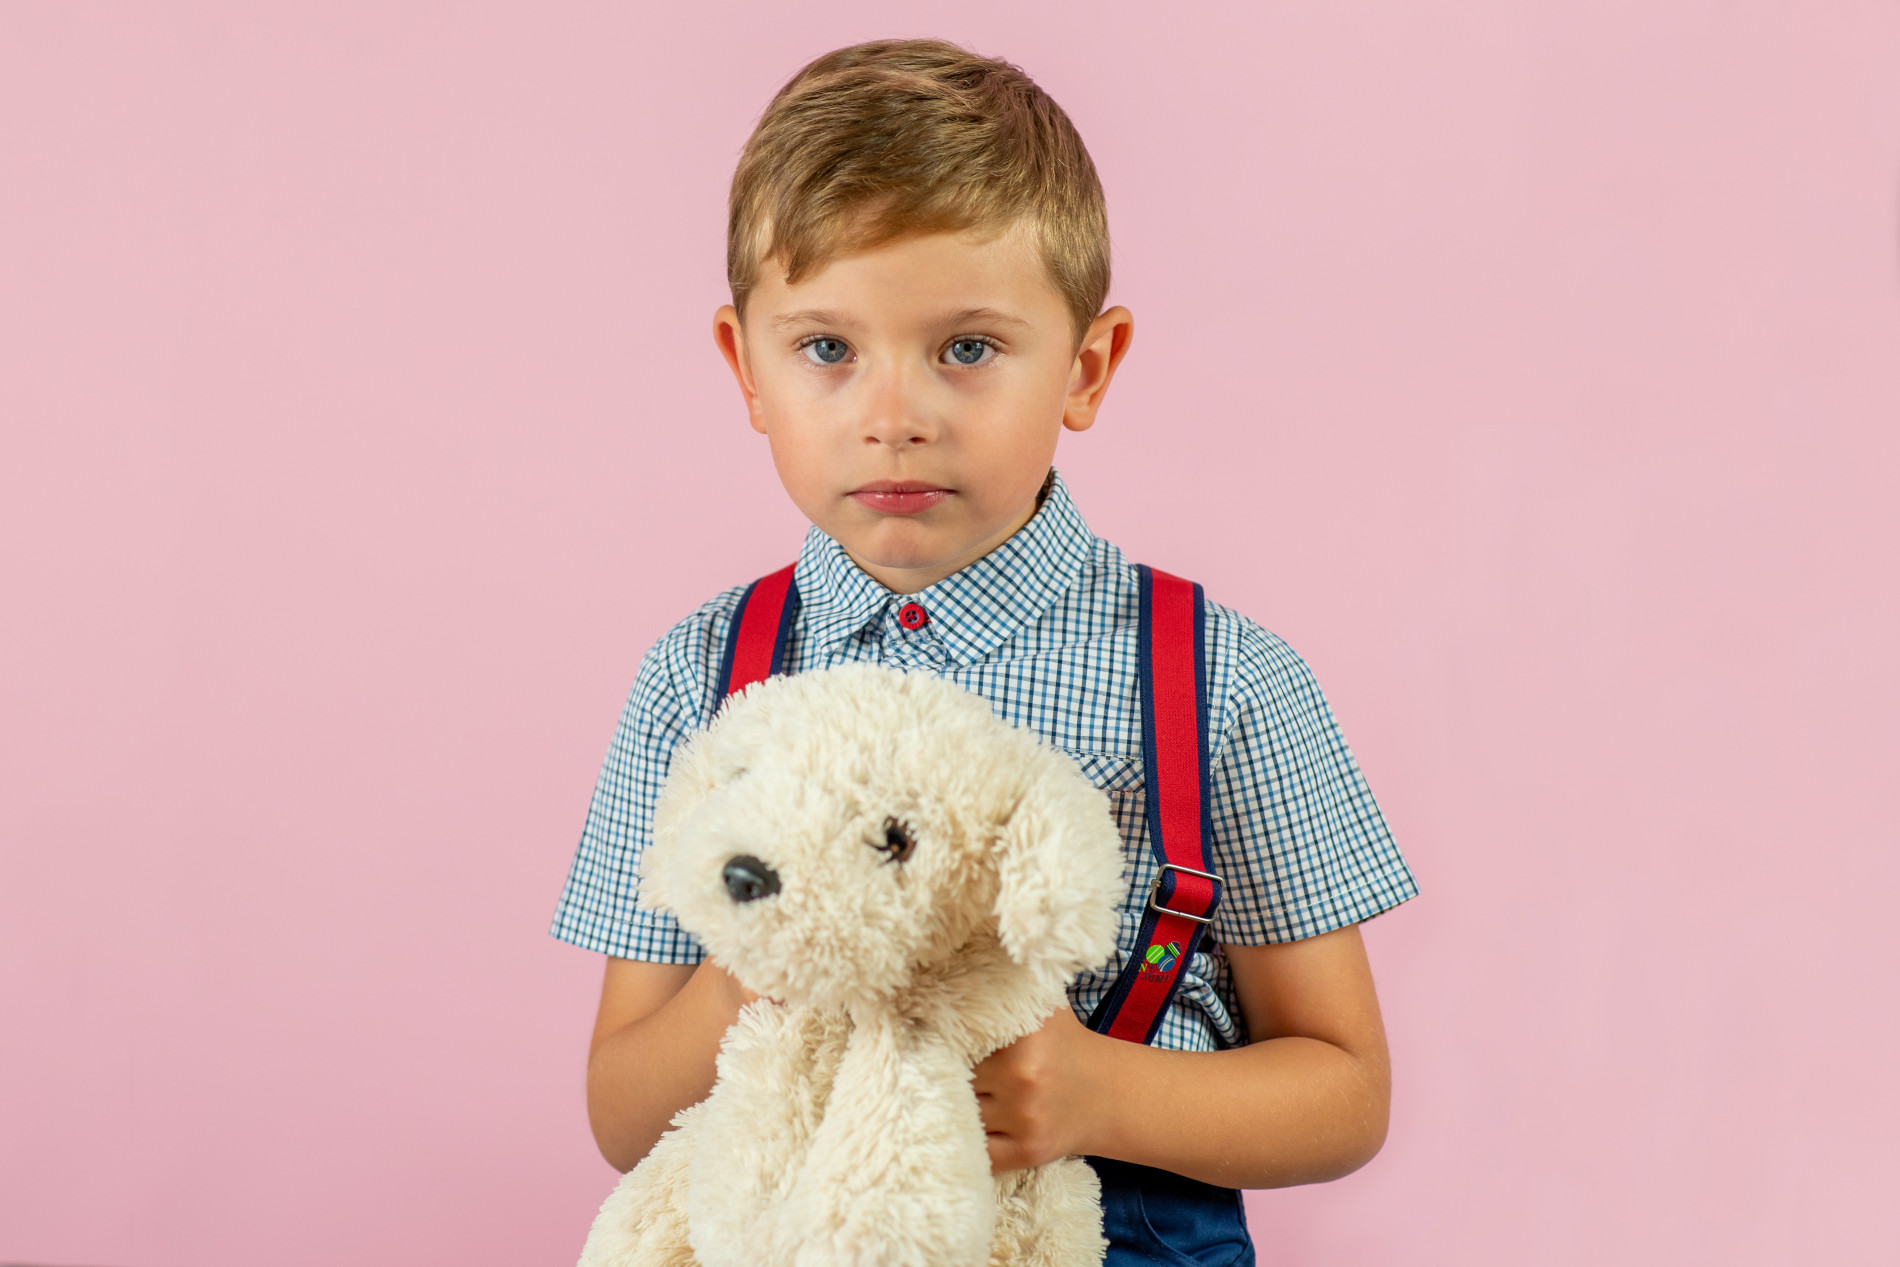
pixel 878 140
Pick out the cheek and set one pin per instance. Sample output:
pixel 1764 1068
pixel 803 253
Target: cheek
pixel 1009 458
pixel 805 455
pixel 793 399
pixel 1020 416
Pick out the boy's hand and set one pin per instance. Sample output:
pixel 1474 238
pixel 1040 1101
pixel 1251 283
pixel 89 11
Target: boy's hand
pixel 1039 1096
pixel 1304 1102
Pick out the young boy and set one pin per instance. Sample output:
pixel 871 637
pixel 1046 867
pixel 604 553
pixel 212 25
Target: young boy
pixel 918 254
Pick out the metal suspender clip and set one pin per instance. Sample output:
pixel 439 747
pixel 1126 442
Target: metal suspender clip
pixel 1154 893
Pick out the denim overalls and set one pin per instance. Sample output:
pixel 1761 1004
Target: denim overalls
pixel 1155 1216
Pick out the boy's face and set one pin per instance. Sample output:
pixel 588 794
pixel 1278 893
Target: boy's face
pixel 913 393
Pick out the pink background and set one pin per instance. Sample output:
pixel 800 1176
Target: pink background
pixel 1534 368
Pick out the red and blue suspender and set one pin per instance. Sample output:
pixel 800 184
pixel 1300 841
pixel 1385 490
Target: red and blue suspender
pixel 1173 660
pixel 1181 902
pixel 755 648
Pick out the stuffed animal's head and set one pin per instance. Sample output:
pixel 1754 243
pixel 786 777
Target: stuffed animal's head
pixel 833 833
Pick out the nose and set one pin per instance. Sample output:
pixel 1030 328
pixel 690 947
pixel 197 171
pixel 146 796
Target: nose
pixel 748 879
pixel 895 416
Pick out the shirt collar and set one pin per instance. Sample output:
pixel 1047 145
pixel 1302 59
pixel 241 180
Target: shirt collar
pixel 974 611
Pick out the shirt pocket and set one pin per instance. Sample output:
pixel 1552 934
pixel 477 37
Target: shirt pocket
pixel 1116 775
pixel 1122 779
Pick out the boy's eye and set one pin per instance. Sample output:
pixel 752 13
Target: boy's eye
pixel 825 351
pixel 969 351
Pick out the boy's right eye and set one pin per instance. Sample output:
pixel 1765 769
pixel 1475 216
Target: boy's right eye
pixel 824 350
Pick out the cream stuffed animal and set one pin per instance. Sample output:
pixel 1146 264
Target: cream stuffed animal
pixel 910 882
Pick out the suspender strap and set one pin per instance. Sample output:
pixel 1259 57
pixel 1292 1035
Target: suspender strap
pixel 755 648
pixel 1173 659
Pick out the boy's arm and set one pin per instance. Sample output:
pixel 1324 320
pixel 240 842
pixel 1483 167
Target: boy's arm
pixel 1304 1102
pixel 655 1037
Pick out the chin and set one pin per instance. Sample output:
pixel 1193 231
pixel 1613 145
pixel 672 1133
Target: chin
pixel 902 560
pixel 902 546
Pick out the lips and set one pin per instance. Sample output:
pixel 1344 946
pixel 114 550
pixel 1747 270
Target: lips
pixel 898 497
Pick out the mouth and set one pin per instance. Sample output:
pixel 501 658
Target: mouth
pixel 899 497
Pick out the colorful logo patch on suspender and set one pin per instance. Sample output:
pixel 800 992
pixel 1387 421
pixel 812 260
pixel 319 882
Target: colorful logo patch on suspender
pixel 1163 958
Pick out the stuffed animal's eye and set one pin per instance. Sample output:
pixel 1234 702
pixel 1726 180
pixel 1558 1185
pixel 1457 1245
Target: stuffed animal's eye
pixel 897 843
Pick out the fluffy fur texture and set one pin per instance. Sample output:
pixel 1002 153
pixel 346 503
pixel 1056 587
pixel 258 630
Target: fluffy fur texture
pixel 842 1128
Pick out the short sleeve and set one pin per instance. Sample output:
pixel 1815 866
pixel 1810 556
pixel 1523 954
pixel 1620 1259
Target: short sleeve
pixel 599 907
pixel 1298 838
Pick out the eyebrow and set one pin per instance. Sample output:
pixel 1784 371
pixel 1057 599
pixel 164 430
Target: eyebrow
pixel 993 316
pixel 808 316
pixel 826 317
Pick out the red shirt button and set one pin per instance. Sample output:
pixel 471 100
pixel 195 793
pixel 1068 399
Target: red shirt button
pixel 912 616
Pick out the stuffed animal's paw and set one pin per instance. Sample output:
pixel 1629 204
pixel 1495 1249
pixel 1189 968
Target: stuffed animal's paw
pixel 1049 1216
pixel 643 1221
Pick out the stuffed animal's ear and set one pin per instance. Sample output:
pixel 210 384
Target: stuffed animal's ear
pixel 689 781
pixel 705 762
pixel 1059 871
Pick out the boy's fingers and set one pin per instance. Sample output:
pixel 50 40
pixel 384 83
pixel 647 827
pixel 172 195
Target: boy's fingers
pixel 991 1113
pixel 1005 1153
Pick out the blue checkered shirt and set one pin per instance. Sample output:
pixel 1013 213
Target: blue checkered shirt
pixel 1043 627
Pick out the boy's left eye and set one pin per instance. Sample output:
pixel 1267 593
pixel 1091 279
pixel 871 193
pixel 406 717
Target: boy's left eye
pixel 969 351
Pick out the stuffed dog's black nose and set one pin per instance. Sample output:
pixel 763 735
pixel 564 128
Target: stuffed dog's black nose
pixel 748 879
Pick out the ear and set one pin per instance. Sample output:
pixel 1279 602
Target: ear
pixel 1103 346
pixel 729 337
pixel 1059 872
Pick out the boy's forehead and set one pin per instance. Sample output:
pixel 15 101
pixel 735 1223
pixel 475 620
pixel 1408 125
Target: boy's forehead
pixel 993 275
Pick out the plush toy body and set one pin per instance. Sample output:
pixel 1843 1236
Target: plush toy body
pixel 911 883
